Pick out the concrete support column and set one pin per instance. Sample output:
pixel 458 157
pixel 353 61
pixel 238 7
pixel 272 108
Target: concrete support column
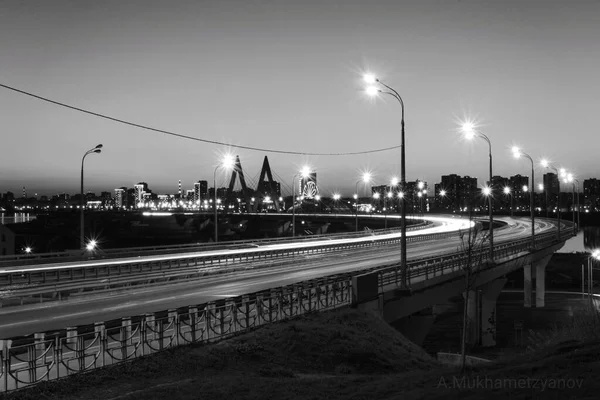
pixel 489 295
pixel 527 288
pixel 540 281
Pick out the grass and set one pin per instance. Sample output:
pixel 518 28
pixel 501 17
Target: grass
pixel 346 354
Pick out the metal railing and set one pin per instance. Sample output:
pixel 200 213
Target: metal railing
pixel 43 357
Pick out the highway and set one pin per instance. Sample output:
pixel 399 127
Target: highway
pixel 18 321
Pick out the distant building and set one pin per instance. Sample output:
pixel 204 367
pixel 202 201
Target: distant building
pixel 120 198
pixel 200 191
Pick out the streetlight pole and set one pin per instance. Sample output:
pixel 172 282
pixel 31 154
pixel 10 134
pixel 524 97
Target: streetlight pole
pixel 470 132
pixel 372 90
pixel 96 149
pixel 517 153
pixel 546 164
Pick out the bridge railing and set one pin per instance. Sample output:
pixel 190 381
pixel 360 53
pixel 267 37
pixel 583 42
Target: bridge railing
pixel 41 357
pixel 76 255
pixel 26 361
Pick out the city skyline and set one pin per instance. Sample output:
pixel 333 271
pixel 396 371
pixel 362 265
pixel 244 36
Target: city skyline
pixel 252 74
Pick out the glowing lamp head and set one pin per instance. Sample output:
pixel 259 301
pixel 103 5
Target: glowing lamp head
pixel 355 196
pixel 28 250
pixel 516 152
pixel 372 91
pixel 366 177
pixel 570 177
pixel 419 194
pixel 421 185
pixel 563 172
pixel 267 199
pixel 91 245
pixel 468 129
pixel 596 254
pixel 394 181
pixel 540 186
pixel 318 198
pixel 525 188
pixel 401 195
pixel 336 196
pixel 390 195
pixel 506 190
pixel 305 171
pixel 487 191
pixel 369 79
pixel 228 161
pixel 442 193
pixel 376 195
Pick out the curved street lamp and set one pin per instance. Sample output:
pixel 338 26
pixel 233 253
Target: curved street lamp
pixel 517 153
pixel 546 164
pixel 470 132
pixel 304 173
pixel 373 91
pixel 97 150
pixel 228 163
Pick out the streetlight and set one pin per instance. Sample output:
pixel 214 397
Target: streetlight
pixel 96 149
pixel 304 173
pixel 517 153
pixel 373 91
pixel 469 131
pixel 228 163
pixel 366 178
pixel 546 164
pixel 506 191
pixel 572 180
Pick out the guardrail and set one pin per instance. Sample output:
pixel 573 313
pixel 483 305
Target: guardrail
pixel 76 255
pixel 29 360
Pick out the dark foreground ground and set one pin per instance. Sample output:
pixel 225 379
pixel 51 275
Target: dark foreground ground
pixel 348 354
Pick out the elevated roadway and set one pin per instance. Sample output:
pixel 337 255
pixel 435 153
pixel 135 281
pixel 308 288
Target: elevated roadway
pixel 57 315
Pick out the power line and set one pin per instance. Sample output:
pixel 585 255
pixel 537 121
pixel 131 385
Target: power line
pixel 191 137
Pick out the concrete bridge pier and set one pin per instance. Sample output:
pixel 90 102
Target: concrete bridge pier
pixel 481 313
pixel 537 272
pixel 540 281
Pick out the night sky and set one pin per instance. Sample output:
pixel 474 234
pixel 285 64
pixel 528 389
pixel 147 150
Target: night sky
pixel 286 75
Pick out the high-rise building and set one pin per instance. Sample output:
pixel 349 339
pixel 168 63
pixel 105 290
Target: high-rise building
pixel 591 194
pixel 139 193
pixel 200 191
pixel 551 187
pixel 120 198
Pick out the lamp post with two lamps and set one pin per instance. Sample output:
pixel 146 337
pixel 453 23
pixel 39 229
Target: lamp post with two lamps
pixel 96 150
pixel 517 153
pixel 469 131
pixel 228 163
pixel 373 90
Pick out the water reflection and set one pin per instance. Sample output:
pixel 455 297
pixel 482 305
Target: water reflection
pixel 587 240
pixel 16 218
